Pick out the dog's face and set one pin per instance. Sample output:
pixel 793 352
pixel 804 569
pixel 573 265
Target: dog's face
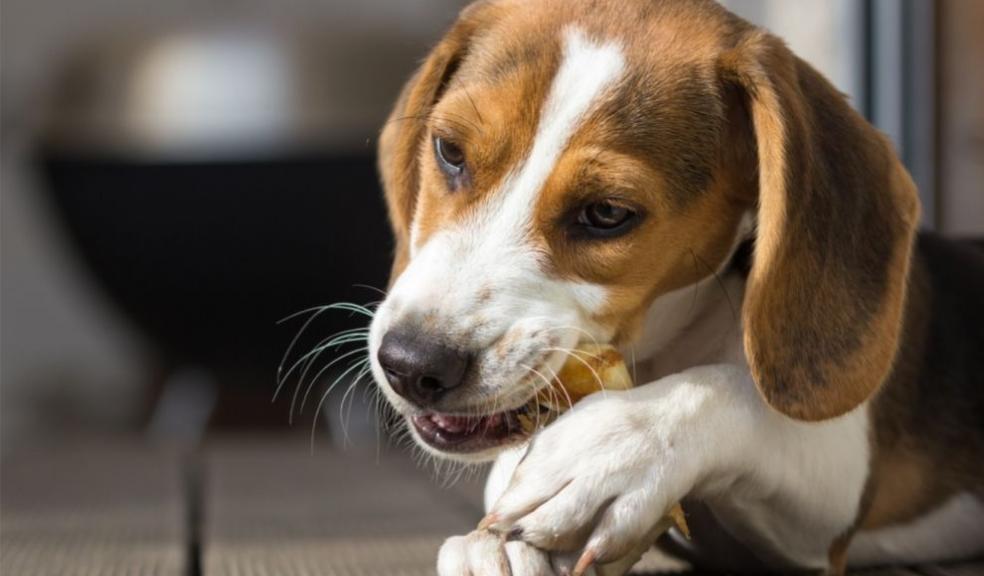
pixel 551 171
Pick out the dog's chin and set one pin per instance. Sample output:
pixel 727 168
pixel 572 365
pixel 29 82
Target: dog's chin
pixel 471 438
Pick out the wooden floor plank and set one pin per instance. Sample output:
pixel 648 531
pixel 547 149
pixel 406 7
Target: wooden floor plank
pixel 885 572
pixel 92 508
pixel 975 568
pixel 267 507
pixel 273 508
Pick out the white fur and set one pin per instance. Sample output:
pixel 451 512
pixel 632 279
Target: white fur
pixel 492 253
pixel 954 530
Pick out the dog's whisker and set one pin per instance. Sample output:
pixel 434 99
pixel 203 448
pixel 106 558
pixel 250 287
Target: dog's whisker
pixel 290 347
pixel 345 306
pixel 536 396
pixel 693 303
pixel 472 102
pixel 315 312
pixel 336 340
pixel 317 377
pixel 570 401
pixel 348 393
pixel 555 396
pixel 324 396
pixel 635 377
pixel 538 374
pixel 576 351
pixel 370 287
pixel 574 328
pixel 575 354
pixel 724 290
pixel 462 123
pixel 307 362
pixel 459 118
pixel 377 411
pixel 495 405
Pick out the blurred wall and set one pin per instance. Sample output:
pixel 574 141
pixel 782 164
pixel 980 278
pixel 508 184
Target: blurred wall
pixel 825 33
pixel 961 155
pixel 67 358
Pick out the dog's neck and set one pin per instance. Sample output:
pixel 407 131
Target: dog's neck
pixel 696 325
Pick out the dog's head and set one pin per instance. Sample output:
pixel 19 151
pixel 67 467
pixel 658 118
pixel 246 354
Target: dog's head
pixel 554 167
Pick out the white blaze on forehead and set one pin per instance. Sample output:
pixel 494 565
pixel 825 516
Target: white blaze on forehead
pixel 587 71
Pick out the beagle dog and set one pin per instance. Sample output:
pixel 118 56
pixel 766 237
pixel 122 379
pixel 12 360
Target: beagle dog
pixel 665 177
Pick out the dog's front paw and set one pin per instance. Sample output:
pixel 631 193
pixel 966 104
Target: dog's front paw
pixel 482 553
pixel 603 475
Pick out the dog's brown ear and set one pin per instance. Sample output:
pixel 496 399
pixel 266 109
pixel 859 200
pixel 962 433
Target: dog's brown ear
pixel 401 139
pixel 837 214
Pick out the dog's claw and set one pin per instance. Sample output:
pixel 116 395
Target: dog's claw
pixel 586 560
pixel 487 522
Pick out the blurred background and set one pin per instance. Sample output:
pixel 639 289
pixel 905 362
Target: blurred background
pixel 178 176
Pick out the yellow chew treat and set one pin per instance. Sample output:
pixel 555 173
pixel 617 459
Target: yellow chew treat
pixel 591 368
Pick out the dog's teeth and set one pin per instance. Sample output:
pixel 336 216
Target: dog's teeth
pixel 453 424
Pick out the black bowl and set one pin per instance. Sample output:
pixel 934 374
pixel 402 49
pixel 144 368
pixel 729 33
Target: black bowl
pixel 206 257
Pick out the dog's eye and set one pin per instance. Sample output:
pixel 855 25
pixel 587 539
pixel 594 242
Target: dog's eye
pixel 450 156
pixel 605 218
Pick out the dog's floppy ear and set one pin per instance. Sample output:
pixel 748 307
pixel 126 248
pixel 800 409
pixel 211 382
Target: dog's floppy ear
pixel 402 135
pixel 837 215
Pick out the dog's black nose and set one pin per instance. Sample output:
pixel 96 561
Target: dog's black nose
pixel 420 369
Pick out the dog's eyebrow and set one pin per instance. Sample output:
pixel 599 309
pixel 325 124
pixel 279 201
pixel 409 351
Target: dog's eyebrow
pixel 518 59
pixel 472 102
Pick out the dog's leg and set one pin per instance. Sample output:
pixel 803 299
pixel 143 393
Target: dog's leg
pixel 602 475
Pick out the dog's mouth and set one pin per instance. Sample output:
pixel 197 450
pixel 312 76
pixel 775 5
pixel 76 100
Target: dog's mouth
pixel 464 434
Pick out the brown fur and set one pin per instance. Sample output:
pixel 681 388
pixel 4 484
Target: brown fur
pixel 823 308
